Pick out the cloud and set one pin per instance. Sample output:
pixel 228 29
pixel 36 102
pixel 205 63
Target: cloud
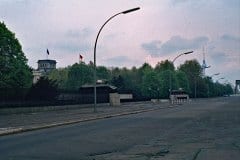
pixel 153 47
pixel 175 44
pixel 74 41
pixel 81 34
pixel 230 38
pixel 227 44
pixel 219 57
pixel 120 61
pixel 224 56
pixel 71 46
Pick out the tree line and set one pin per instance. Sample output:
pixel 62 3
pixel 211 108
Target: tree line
pixel 144 82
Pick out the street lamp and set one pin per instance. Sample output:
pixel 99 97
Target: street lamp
pixel 181 55
pixel 170 77
pixel 216 74
pixel 220 79
pixel 95 46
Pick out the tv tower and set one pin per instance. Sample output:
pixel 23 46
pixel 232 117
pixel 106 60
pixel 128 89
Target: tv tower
pixel 204 65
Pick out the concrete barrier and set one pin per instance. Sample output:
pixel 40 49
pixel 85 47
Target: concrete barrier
pixel 114 99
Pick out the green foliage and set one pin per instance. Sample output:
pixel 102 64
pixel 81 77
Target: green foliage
pixel 164 65
pixel 202 88
pixel 151 85
pixel 60 76
pixel 183 81
pixel 78 75
pixel 119 83
pixel 14 71
pixel 103 73
pixel 193 70
pixel 228 89
pixel 144 82
pixel 43 90
pixel 168 79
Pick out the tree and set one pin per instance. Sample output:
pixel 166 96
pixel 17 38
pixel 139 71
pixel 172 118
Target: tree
pixel 78 75
pixel 193 70
pixel 15 74
pixel 103 73
pixel 60 76
pixel 164 65
pixel 119 83
pixel 210 86
pixel 165 82
pixel 228 89
pixel 151 85
pixel 182 80
pixel 43 90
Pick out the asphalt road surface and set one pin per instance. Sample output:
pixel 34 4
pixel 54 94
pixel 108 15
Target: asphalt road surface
pixel 201 130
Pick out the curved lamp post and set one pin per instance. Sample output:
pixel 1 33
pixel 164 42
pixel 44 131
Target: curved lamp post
pixel 95 46
pixel 170 77
pixel 181 55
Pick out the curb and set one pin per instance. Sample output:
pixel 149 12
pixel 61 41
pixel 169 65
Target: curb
pixel 22 129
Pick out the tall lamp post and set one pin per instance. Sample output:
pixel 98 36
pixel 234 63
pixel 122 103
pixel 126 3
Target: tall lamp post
pixel 95 46
pixel 170 77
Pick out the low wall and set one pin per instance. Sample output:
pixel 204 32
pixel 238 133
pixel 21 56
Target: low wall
pixel 23 110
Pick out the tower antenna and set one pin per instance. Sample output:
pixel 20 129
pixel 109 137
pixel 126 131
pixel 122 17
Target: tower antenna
pixel 204 65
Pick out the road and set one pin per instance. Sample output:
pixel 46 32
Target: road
pixel 200 130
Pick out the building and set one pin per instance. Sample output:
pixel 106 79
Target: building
pixel 103 90
pixel 85 94
pixel 44 67
pixel 36 75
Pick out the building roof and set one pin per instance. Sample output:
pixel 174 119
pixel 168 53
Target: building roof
pixel 47 60
pixel 98 85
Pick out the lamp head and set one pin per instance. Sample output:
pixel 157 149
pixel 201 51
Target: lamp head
pixel 188 52
pixel 131 10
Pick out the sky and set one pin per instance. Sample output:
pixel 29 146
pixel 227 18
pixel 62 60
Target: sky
pixel 160 30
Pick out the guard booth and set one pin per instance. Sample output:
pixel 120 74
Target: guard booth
pixel 86 93
pixel 178 97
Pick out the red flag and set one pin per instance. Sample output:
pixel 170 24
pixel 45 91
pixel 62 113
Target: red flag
pixel 80 56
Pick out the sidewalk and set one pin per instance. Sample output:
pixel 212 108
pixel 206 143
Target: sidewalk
pixel 23 122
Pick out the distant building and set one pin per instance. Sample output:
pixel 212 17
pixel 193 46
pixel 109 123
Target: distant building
pixel 237 87
pixel 36 76
pixel 85 94
pixel 44 67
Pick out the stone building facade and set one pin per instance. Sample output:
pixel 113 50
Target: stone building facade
pixel 44 67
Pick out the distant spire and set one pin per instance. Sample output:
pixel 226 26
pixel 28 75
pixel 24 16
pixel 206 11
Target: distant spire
pixel 204 65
